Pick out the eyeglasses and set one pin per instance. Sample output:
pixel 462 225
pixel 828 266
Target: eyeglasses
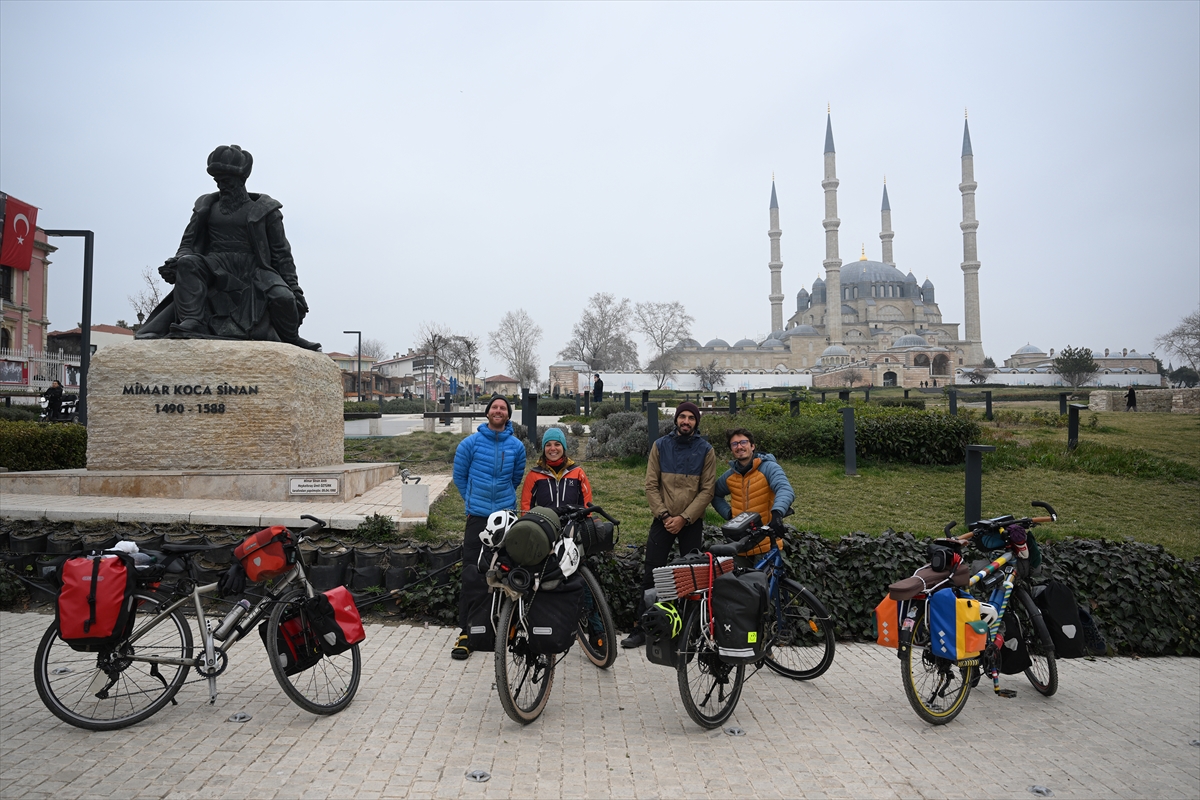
pixel 739 443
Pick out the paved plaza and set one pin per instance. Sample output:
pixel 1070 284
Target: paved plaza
pixel 1118 727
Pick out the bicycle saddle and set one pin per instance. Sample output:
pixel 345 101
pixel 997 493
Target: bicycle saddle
pixel 730 549
pixel 925 579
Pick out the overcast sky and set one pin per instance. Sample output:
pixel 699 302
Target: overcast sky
pixel 449 162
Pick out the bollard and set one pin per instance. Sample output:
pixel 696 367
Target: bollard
pixel 906 394
pixel 587 403
pixel 1073 425
pixel 652 421
pixel 795 406
pixel 1062 403
pixel 578 405
pixel 974 492
pixel 848 436
pixel 987 398
pixel 867 394
pixel 380 405
pixel 744 397
pixel 524 406
pixel 953 395
pixel 733 403
pixel 822 397
pixel 627 401
pixel 844 395
pixel 646 396
pixel 530 420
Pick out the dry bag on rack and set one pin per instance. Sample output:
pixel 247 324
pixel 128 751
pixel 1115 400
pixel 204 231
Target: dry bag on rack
pixel 739 604
pixel 553 616
pixel 263 555
pixel 95 603
pixel 1061 613
pixel 336 620
pixel 298 646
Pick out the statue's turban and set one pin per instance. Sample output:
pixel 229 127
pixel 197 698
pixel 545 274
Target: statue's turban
pixel 229 159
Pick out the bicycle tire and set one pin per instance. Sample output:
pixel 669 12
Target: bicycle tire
pixel 1043 672
pixel 327 686
pixel 598 641
pixel 523 679
pixel 802 640
pixel 67 680
pixel 701 673
pixel 937 688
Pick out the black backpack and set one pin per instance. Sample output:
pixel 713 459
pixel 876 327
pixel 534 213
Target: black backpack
pixel 739 603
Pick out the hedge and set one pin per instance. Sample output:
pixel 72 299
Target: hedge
pixel 28 446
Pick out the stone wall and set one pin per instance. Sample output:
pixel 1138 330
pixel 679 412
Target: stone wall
pixel 1178 401
pixel 208 404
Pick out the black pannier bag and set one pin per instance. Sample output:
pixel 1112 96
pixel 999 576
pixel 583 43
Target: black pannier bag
pixel 297 641
pixel 95 602
pixel 553 616
pixel 1061 613
pixel 477 599
pixel 739 605
pixel 1014 655
pixel 663 626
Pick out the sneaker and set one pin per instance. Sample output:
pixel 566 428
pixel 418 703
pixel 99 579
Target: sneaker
pixel 635 639
pixel 460 651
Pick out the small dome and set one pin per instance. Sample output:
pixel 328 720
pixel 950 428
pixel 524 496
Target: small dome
pixel 802 293
pixel 910 340
pixel 835 350
pixel 746 343
pixel 770 343
pixel 803 330
pixel 717 343
pixel 1133 354
pixel 1030 349
pixel 818 281
pixel 910 278
pixel 775 335
pixel 928 284
pixel 685 344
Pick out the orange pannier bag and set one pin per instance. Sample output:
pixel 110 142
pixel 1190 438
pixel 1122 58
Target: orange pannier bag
pixel 263 555
pixel 887 622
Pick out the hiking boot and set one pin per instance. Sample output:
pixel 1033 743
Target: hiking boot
pixel 635 639
pixel 460 651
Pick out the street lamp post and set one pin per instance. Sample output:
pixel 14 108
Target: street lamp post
pixel 358 377
pixel 85 332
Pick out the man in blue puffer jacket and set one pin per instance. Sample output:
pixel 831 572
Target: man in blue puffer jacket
pixel 488 467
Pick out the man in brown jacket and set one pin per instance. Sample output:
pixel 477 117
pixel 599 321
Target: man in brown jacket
pixel 680 479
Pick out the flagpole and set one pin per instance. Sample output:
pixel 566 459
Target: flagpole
pixel 85 333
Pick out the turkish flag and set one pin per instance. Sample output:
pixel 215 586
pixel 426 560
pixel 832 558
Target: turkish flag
pixel 16 244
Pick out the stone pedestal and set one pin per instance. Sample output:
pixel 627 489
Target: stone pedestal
pixel 207 404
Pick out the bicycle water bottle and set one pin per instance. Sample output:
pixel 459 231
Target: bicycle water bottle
pixel 231 620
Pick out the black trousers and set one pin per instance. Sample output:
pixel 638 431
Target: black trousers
pixel 658 551
pixel 472 547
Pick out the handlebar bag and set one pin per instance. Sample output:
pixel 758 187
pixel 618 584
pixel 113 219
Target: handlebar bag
pixel 95 604
pixel 263 555
pixel 951 634
pixel 336 621
pixel 739 605
pixel 476 600
pixel 299 648
pixel 1061 613
pixel 593 536
pixel 553 616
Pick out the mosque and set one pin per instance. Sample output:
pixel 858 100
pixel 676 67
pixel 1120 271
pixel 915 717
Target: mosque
pixel 888 330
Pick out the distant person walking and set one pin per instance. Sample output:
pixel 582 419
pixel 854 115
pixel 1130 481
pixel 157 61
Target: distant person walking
pixel 488 467
pixel 1131 400
pixel 53 395
pixel 598 389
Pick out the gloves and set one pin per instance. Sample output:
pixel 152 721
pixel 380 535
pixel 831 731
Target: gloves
pixel 233 581
pixel 777 521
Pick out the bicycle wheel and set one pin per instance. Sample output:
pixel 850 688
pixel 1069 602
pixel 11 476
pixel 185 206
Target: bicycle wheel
pixel 597 631
pixel 111 689
pixel 936 687
pixel 801 637
pixel 710 688
pixel 523 679
pixel 328 685
pixel 1043 672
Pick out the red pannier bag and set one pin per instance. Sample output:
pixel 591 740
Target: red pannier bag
pixel 296 642
pixel 336 620
pixel 263 555
pixel 95 604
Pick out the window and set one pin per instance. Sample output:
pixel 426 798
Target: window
pixel 6 283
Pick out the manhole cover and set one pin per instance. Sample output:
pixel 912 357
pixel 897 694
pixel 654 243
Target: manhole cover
pixel 240 716
pixel 734 731
pixel 479 776
pixel 1040 791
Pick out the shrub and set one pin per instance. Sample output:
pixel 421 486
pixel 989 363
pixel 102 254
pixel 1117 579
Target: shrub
pixel 28 446
pixel 577 429
pixel 377 528
pixel 619 435
pixel 902 402
pixel 20 413
pixel 549 407
pixel 607 408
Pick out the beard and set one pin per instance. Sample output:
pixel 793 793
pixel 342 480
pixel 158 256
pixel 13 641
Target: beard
pixel 234 198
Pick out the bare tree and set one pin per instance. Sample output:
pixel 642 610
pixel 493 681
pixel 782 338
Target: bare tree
pixel 601 338
pixel 1184 339
pixel 710 375
pixel 433 340
pixel 852 376
pixel 462 352
pixel 661 365
pixel 663 325
pixel 516 341
pixel 150 296
pixel 374 349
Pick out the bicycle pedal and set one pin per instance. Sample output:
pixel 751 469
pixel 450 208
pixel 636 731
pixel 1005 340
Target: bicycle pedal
pixel 1007 693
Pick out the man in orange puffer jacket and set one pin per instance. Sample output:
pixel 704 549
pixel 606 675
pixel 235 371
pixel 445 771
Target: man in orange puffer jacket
pixel 754 482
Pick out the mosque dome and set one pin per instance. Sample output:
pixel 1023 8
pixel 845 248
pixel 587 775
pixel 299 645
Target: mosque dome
pixel 686 343
pixel 835 350
pixel 928 284
pixel 775 335
pixel 819 281
pixel 1030 349
pixel 871 272
pixel 909 278
pixel 803 330
pixel 717 343
pixel 770 343
pixel 746 343
pixel 910 340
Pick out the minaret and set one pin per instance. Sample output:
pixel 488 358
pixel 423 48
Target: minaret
pixel 886 234
pixel 832 263
pixel 970 263
pixel 776 264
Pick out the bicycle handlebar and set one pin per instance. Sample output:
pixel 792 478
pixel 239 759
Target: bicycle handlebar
pixel 579 512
